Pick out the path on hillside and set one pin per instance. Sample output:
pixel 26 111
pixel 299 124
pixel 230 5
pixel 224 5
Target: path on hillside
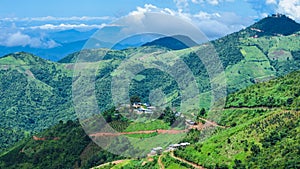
pixel 185 161
pixel 212 123
pixel 252 108
pixel 159 131
pixel 161 165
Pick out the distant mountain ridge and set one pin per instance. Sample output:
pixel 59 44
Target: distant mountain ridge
pixel 176 42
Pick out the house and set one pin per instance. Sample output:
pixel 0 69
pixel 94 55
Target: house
pixel 178 114
pixel 136 105
pixel 185 144
pixel 146 104
pixel 173 147
pixel 155 151
pixel 190 122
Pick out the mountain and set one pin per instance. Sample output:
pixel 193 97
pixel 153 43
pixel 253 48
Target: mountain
pixel 36 93
pixel 55 53
pixel 72 35
pixel 259 134
pixel 136 41
pixel 276 24
pixel 176 42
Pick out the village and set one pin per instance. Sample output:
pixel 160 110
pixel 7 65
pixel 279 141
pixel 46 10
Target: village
pixel 146 108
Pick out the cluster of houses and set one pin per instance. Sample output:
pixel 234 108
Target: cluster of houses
pixel 141 108
pixel 172 147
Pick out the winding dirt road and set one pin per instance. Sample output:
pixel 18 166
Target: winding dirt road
pixel 187 162
pixel 161 165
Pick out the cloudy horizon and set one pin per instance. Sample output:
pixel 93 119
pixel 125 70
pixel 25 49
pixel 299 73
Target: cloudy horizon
pixel 29 25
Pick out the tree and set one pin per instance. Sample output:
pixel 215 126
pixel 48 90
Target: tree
pixel 135 99
pixel 202 112
pixel 168 116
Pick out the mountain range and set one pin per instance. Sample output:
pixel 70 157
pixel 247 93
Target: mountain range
pixel 37 94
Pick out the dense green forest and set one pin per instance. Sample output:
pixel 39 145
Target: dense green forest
pixel 64 146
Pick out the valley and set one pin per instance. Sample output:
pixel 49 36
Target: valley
pixel 252 122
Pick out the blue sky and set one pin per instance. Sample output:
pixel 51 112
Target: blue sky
pixel 20 19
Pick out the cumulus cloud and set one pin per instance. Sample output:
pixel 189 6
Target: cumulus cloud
pixel 20 39
pixel 215 25
pixel 182 4
pixel 290 8
pixel 151 19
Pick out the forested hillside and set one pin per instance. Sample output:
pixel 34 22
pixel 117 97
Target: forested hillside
pixel 262 129
pixel 37 94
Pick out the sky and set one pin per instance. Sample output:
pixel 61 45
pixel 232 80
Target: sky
pixel 27 22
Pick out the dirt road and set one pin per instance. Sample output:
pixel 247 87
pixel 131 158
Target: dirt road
pixel 187 162
pixel 139 132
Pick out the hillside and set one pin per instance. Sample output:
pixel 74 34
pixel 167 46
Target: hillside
pixel 263 122
pixel 36 94
pixel 259 135
pixel 63 146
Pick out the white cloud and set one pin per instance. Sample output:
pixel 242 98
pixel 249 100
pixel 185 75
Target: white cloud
pixel 67 26
pixel 290 8
pixel 206 16
pixel 212 2
pixel 268 2
pixel 20 39
pixel 182 4
pixel 213 25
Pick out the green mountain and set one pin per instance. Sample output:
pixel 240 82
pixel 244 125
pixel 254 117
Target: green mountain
pixel 276 24
pixel 37 94
pixel 176 42
pixel 259 134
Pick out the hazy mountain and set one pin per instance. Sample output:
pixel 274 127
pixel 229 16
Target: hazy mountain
pixel 176 42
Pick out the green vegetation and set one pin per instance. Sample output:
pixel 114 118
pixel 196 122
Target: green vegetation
pixel 35 94
pixel 275 93
pixel 63 146
pixel 258 137
pixel 171 163
pixel 153 125
pixel 263 119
